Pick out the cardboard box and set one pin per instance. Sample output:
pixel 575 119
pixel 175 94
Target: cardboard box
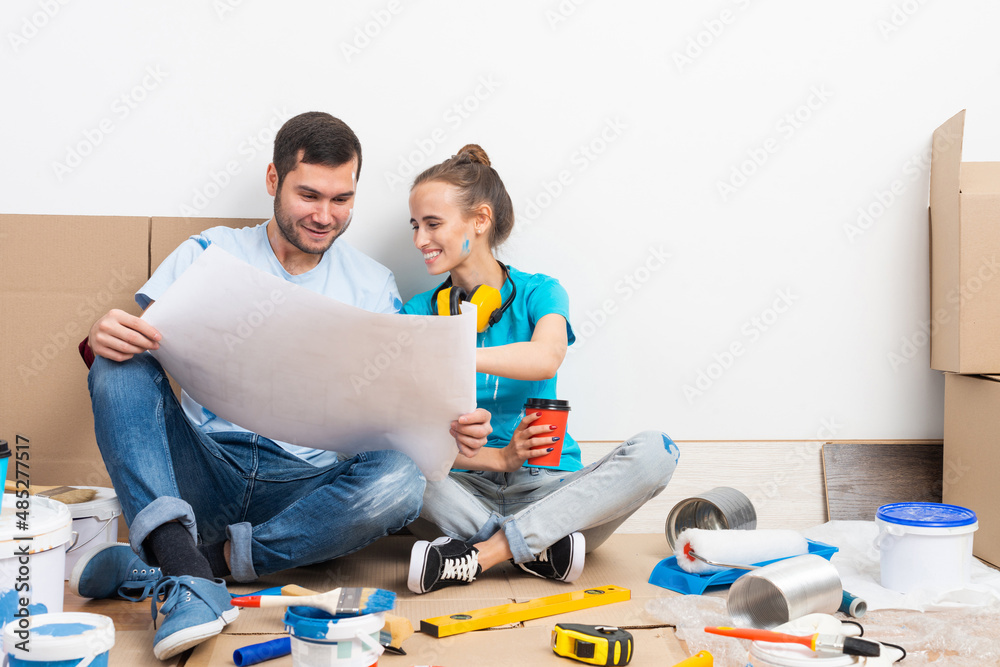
pixel 972 455
pixel 965 250
pixel 58 274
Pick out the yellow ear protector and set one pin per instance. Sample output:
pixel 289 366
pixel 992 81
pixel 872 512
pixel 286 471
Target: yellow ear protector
pixel 447 300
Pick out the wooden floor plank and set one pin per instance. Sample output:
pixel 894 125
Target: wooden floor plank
pixel 860 477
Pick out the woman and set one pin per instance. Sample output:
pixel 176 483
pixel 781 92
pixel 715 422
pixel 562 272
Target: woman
pixel 494 506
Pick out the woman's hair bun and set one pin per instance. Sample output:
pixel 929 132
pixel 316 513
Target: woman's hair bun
pixel 474 153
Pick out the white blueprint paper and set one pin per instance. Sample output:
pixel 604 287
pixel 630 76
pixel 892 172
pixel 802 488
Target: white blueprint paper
pixel 296 366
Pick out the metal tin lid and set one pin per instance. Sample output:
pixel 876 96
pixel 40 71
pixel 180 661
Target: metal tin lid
pixel 928 515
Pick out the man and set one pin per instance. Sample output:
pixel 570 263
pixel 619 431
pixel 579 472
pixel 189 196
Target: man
pixel 205 498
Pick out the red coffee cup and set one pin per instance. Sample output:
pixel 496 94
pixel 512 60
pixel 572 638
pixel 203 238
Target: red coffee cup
pixel 554 413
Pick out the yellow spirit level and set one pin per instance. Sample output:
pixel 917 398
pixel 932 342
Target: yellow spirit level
pixel 592 644
pixel 515 612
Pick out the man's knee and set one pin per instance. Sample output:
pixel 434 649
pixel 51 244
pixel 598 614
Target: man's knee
pixel 403 482
pixel 107 375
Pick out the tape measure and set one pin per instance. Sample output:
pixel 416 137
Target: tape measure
pixel 592 644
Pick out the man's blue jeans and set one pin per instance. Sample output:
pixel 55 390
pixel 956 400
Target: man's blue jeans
pixel 277 510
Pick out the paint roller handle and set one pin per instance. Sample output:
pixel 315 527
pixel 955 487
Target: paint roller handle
pixel 254 653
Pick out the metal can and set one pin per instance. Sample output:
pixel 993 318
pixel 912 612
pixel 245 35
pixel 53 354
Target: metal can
pixel 722 508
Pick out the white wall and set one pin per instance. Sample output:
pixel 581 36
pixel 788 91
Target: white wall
pixel 535 83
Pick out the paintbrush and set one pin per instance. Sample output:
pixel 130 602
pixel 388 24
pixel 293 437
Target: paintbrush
pixel 339 601
pixel 69 495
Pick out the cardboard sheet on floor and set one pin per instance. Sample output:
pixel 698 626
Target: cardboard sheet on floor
pixel 134 648
pixel 302 368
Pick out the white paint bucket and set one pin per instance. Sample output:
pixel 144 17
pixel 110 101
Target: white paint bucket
pixel 32 559
pixel 60 640
pixel 925 545
pixel 320 639
pixel 94 522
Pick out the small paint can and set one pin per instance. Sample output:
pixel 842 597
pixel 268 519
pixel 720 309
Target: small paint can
pixel 94 522
pixel 34 532
pixel 320 639
pixel 722 508
pixel 785 590
pixel 60 640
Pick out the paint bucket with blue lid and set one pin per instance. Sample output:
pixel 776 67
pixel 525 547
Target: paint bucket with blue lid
pixel 925 545
pixel 320 639
pixel 34 532
pixel 60 640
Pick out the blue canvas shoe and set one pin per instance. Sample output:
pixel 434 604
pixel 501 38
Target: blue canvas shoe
pixel 113 571
pixel 193 609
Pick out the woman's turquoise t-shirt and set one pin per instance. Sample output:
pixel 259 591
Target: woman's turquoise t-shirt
pixel 537 295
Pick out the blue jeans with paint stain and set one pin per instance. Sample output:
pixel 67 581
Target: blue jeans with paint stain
pixel 277 510
pixel 536 507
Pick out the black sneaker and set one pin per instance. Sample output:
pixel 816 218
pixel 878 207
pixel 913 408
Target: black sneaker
pixel 563 561
pixel 443 562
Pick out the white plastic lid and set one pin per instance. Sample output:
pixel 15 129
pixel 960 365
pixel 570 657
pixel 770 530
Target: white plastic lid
pixel 61 636
pixel 48 525
pixel 104 506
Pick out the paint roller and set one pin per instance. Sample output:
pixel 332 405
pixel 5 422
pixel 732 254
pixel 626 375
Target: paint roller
pixel 701 551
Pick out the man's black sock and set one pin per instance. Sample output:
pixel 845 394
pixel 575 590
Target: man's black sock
pixel 215 554
pixel 176 552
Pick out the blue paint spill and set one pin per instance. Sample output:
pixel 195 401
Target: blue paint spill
pixel 62 629
pixel 668 444
pixel 396 303
pixel 8 606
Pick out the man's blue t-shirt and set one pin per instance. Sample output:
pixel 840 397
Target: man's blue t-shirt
pixel 537 295
pixel 343 273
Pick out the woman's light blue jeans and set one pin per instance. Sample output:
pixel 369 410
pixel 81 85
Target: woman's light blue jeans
pixel 536 507
pixel 277 510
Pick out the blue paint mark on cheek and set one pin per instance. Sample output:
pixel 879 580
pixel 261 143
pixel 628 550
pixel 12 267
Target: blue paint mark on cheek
pixel 465 247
